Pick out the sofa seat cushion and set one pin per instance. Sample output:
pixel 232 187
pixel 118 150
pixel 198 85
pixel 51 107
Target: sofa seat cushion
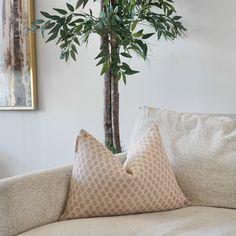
pixel 192 221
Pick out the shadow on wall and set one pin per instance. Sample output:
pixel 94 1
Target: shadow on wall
pixel 6 164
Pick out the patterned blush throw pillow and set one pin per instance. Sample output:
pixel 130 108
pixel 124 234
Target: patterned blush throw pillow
pixel 102 186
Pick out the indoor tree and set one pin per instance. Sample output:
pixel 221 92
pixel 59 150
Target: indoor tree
pixel 124 27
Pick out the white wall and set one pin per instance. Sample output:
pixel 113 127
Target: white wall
pixel 196 73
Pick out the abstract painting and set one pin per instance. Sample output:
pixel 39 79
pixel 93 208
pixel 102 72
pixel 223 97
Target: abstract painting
pixel 17 56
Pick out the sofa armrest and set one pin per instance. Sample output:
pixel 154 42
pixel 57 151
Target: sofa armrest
pixel 33 200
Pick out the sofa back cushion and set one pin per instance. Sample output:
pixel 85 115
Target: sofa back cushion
pixel 202 150
pixel 102 186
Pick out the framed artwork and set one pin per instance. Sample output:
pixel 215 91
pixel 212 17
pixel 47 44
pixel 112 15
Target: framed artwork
pixel 17 56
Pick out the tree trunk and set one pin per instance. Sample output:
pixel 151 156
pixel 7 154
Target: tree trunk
pixel 115 97
pixel 115 114
pixel 111 99
pixel 107 110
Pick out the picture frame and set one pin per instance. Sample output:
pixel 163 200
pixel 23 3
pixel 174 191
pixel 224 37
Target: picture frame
pixel 18 90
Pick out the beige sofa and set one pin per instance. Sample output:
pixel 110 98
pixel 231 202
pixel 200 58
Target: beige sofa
pixel 30 205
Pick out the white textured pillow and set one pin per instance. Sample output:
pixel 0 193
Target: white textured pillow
pixel 202 150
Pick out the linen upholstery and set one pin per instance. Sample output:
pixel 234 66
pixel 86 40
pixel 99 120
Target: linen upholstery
pixel 202 150
pixel 101 186
pixel 189 221
pixel 34 199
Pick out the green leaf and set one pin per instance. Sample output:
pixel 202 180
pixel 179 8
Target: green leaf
pixel 177 17
pixel 78 28
pixel 49 25
pixel 61 11
pixel 70 7
pixel 124 54
pixel 133 25
pixel 62 55
pixel 119 74
pixel 117 18
pixel 73 23
pixel 34 28
pixel 124 77
pixel 128 70
pixel 68 19
pixel 59 40
pixel 55 29
pixel 54 17
pixel 43 30
pixel 106 2
pixel 72 54
pixel 79 3
pixel 65 27
pixel 131 72
pixel 53 36
pixel 145 49
pixel 63 34
pixel 159 34
pixel 73 47
pixel 116 9
pixel 37 22
pixel 136 49
pixel 169 12
pixel 125 66
pixel 105 68
pixel 146 36
pixel 67 55
pixel 64 45
pixel 45 14
pixel 79 14
pixel 103 60
pixel 169 34
pixel 76 41
pixel 138 34
pixel 101 54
